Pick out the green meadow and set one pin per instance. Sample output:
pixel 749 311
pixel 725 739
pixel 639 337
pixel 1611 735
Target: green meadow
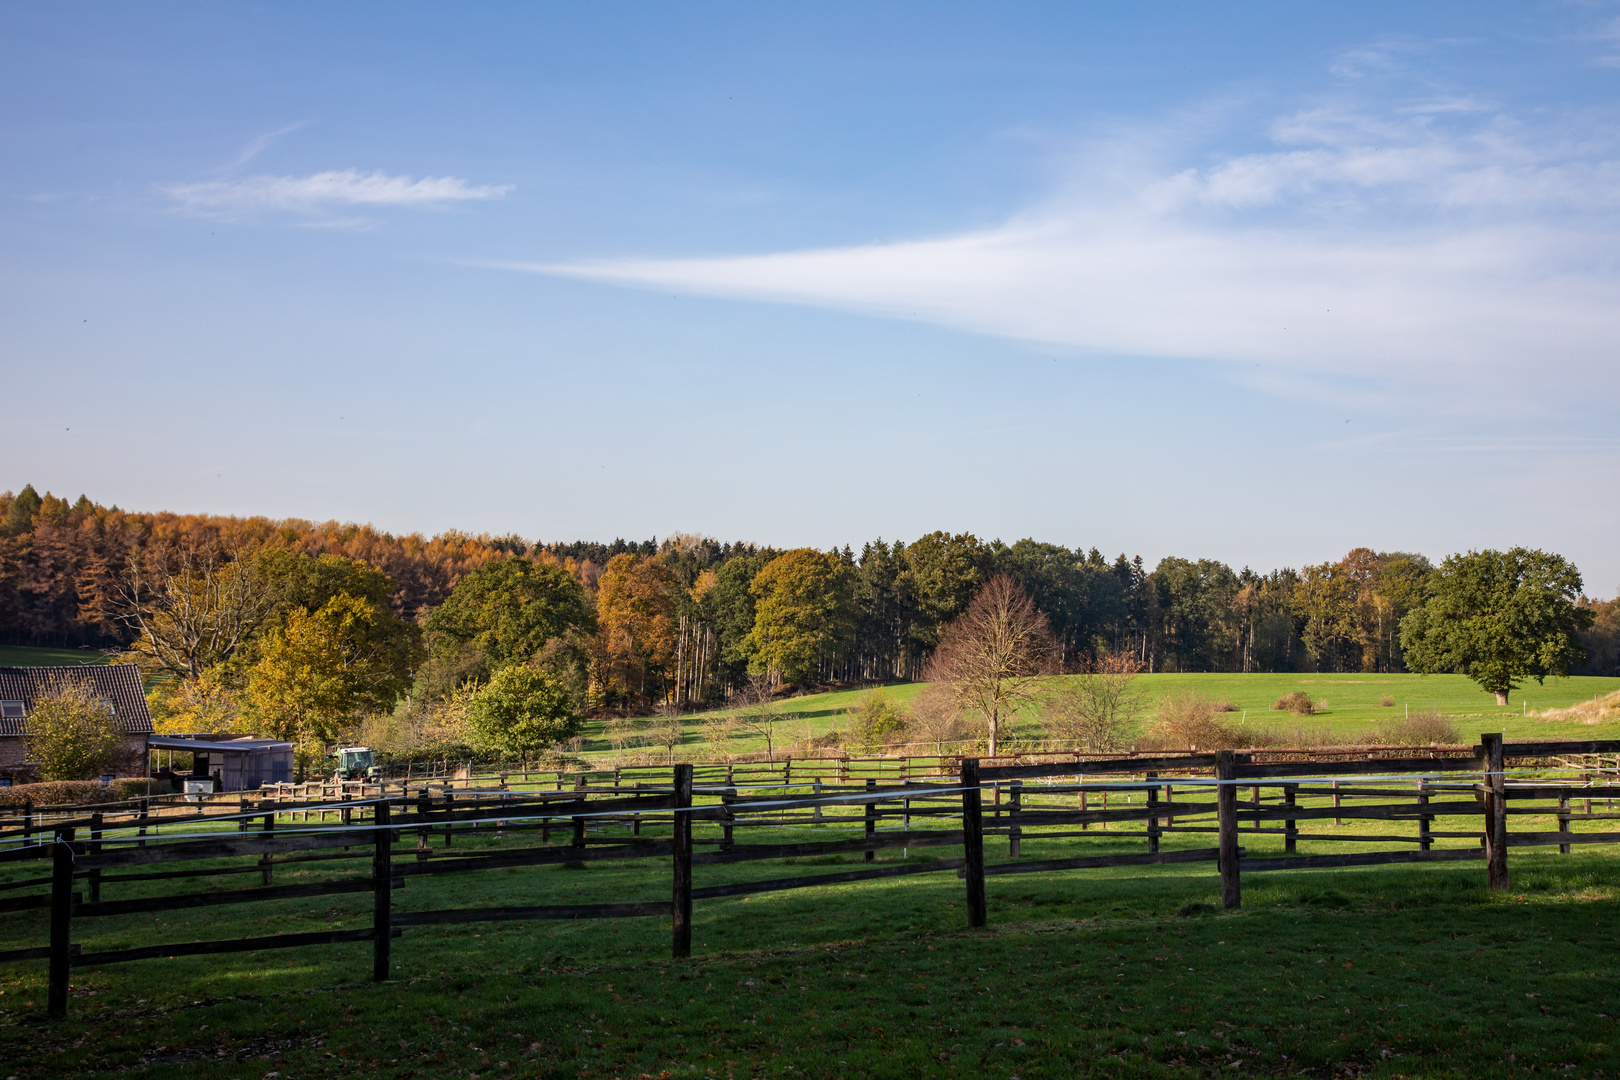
pixel 33 656
pixel 1350 706
pixel 1389 972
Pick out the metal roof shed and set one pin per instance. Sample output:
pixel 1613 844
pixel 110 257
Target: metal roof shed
pixel 240 764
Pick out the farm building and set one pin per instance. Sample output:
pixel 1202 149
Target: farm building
pixel 234 762
pixel 119 685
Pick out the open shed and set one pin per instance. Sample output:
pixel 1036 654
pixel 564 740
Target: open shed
pixel 237 764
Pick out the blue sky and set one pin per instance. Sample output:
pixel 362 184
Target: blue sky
pixel 1257 282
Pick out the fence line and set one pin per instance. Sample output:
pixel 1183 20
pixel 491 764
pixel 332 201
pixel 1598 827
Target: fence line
pixel 1018 801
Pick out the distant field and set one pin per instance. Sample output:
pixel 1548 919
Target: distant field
pixel 1349 705
pixel 28 656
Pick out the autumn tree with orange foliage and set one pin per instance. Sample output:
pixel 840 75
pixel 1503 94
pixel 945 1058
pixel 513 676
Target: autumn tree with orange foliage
pixel 635 642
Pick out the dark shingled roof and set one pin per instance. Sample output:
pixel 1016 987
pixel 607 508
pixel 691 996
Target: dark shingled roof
pixel 119 683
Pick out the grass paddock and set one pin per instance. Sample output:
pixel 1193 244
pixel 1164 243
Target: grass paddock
pixel 1402 971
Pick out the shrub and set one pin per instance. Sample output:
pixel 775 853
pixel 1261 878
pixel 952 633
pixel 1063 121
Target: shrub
pixel 1419 729
pixel 133 787
pixel 1187 722
pixel 826 739
pixel 1093 710
pixel 1597 711
pixel 876 720
pixel 72 734
pixel 1387 702
pixel 1223 705
pixel 62 793
pixel 1299 703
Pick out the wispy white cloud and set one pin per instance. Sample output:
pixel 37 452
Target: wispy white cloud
pixel 1443 245
pixel 322 191
pixel 258 145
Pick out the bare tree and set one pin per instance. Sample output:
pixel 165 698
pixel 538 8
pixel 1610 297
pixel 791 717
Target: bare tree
pixel 760 712
pixel 717 730
pixel 1093 710
pixel 667 730
pixel 192 610
pixel 992 657
pixel 622 733
pixel 937 718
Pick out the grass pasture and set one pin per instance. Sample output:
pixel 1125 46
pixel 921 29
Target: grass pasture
pixel 1402 971
pixel 1350 706
pixel 34 656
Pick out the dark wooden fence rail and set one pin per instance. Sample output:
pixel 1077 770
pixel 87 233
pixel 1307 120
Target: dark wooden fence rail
pixel 1223 793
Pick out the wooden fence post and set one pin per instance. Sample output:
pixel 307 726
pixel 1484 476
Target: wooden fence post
pixel 1495 813
pixel 1015 803
pixel 146 804
pixel 28 823
pixel 579 822
pixel 1425 843
pixel 973 844
pixel 871 819
pixel 95 846
pixel 267 860
pixel 382 892
pixel 1153 822
pixel 1257 821
pixel 61 963
pixel 1563 819
pixel 449 805
pixel 1336 821
pixel 1226 812
pixel 681 845
pixel 726 799
pixel 1290 826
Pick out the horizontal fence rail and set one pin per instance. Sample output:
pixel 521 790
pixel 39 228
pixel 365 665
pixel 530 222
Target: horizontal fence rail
pixel 736 816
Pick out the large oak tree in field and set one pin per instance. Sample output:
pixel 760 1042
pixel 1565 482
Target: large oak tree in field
pixel 1499 617
pixel 991 657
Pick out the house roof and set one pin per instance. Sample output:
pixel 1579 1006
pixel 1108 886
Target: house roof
pixel 118 683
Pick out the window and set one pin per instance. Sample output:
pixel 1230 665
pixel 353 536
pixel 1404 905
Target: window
pixel 12 709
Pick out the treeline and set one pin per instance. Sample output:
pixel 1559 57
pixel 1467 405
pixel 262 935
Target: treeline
pixel 690 619
pixel 61 563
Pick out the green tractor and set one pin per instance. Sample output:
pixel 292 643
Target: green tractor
pixel 355 763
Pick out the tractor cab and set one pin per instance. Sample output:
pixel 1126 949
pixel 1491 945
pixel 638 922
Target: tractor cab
pixel 355 763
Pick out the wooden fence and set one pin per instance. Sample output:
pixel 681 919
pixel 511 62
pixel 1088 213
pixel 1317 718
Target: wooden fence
pixel 1221 796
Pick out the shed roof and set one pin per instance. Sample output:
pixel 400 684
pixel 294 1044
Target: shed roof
pixel 226 743
pixel 118 683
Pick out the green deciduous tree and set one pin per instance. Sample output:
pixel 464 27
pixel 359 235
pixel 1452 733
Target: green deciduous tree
pixel 72 733
pixel 1499 618
pixel 522 713
pixel 804 611
pixel 316 670
pixel 508 610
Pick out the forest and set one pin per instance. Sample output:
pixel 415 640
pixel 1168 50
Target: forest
pixel 680 621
